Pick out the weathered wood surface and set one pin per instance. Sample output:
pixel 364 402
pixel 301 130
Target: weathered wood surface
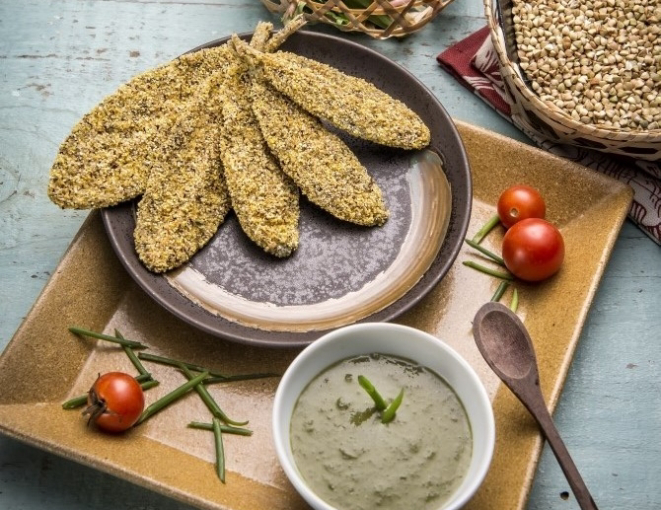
pixel 59 58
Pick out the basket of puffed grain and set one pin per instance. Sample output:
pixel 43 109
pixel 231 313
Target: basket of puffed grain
pixel 583 72
pixel 380 19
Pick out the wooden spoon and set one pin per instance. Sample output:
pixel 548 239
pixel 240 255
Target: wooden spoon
pixel 505 344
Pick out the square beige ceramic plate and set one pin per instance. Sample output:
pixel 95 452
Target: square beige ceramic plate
pixel 91 289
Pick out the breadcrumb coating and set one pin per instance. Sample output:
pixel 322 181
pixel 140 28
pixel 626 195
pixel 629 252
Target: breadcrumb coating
pixel 351 104
pixel 186 198
pixel 233 126
pixel 107 157
pixel 261 35
pixel 264 199
pixel 319 162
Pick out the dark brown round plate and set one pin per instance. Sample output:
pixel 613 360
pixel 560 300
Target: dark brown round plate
pixel 341 273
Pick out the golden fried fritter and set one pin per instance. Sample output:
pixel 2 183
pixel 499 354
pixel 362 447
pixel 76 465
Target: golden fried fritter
pixel 318 161
pixel 107 157
pixel 186 198
pixel 264 199
pixel 351 104
pixel 213 130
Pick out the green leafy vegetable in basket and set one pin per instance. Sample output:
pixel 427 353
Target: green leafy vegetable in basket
pixel 378 18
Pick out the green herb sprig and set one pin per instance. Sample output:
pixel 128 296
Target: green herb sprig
pixel 144 377
pixel 81 400
pixel 198 378
pixel 171 397
pixel 502 274
pixel 379 403
pixel 220 449
pixel 108 338
pixel 214 377
pixel 209 401
pixel 388 411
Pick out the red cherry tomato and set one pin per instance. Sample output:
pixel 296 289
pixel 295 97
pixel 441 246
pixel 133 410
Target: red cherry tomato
pixel 518 203
pixel 533 249
pixel 115 402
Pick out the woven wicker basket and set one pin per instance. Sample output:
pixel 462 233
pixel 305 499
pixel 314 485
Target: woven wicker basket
pixel 380 19
pixel 546 119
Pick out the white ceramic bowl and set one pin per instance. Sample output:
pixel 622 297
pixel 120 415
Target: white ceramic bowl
pixel 396 340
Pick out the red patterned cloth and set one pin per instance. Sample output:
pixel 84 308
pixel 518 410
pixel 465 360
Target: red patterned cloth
pixel 473 62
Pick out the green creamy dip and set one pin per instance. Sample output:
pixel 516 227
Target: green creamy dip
pixel 353 461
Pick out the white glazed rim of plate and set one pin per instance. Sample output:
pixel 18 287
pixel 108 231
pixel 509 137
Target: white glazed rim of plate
pixel 430 199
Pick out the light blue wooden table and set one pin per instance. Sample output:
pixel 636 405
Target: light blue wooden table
pixel 59 58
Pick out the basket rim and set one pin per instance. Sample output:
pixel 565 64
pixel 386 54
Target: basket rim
pixel 430 9
pixel 542 108
pixel 380 10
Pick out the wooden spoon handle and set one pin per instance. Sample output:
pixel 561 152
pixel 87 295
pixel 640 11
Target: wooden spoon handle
pixel 570 470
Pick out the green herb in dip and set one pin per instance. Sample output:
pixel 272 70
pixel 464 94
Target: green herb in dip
pixel 353 461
